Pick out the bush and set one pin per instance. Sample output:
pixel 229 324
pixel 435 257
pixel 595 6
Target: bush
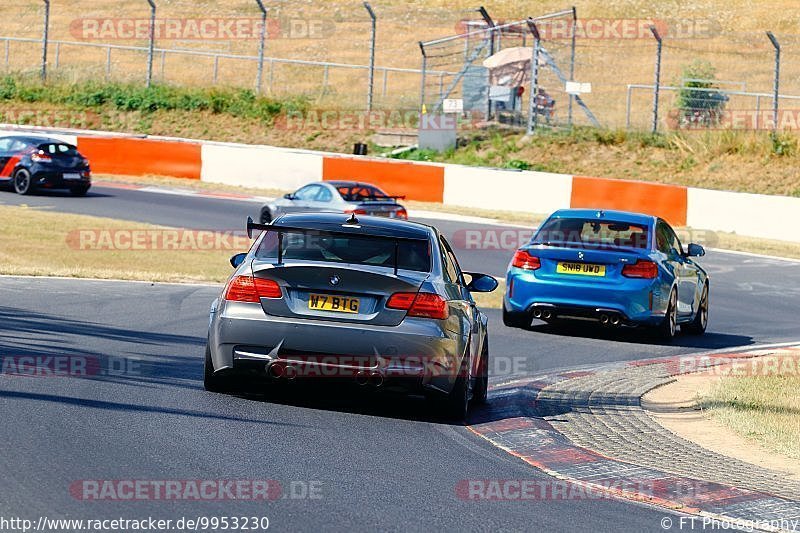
pixel 129 98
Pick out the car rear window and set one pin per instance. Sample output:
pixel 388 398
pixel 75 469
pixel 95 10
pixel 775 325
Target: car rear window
pixel 360 193
pixel 593 233
pixel 357 250
pixel 58 149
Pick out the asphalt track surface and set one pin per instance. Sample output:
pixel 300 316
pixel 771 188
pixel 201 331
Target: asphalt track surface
pixel 373 461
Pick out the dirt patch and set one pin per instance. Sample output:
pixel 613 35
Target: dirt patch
pixel 676 407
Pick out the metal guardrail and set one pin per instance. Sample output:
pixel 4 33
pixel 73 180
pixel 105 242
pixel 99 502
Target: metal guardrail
pixel 215 55
pixel 758 96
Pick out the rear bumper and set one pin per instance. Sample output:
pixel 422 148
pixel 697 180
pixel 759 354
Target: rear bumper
pixel 418 353
pixel 55 179
pixel 636 302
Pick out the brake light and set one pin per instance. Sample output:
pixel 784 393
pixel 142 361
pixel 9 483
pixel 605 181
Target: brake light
pixel 526 261
pixel 249 289
pixel 356 211
pixel 423 304
pixel 41 157
pixel 641 269
pixel 401 213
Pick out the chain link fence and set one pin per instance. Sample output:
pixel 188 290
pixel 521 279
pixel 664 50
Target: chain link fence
pixel 709 74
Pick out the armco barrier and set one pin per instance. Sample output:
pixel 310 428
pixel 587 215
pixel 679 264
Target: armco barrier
pixel 761 216
pixel 141 157
pixel 666 201
pixel 506 190
pixel 415 181
pixel 259 166
pixel 756 215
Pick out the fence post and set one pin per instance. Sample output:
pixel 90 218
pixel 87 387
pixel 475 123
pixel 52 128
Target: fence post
pixel 777 81
pixel 490 24
pixel 572 60
pixel 151 46
pixel 45 35
pixel 422 77
pixel 262 38
pixel 537 42
pixel 657 84
pixel 371 55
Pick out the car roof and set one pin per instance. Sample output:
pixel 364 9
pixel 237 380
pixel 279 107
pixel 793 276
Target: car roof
pixel 606 214
pixel 351 184
pixel 378 226
pixel 34 139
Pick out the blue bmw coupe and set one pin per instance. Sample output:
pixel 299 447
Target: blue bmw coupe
pixel 614 267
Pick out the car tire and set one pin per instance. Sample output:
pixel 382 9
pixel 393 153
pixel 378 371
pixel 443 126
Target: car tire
pixel 700 323
pixel 266 216
pixel 669 326
pixel 455 405
pixel 211 381
pixel 23 183
pixel 480 392
pixel 79 190
pixel 516 319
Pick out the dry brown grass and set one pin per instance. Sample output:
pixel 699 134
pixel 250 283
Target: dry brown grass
pixel 763 408
pixel 735 44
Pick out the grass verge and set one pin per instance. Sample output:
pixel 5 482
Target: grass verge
pixel 52 244
pixel 47 244
pixel 763 408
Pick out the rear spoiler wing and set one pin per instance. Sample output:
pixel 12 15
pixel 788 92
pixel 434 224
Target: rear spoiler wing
pixel 281 230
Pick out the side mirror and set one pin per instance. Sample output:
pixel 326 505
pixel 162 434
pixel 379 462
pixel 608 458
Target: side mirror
pixel 237 260
pixel 481 283
pixel 695 250
pixel 289 196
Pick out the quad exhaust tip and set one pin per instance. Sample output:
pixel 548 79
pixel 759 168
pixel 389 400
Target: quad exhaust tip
pixel 362 378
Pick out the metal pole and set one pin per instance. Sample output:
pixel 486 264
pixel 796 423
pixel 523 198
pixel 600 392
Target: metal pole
pixel 371 55
pixel 262 38
pixel 572 61
pixel 422 80
pixel 758 111
pixel 216 69
pixel 152 42
pixel 490 23
pixel 628 109
pixel 532 118
pixel 658 78
pixel 777 81
pixel 45 35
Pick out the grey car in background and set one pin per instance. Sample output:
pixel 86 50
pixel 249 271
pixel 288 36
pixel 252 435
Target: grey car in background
pixel 348 197
pixel 375 302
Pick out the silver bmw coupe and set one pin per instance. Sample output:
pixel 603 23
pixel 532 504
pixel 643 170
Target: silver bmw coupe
pixel 371 301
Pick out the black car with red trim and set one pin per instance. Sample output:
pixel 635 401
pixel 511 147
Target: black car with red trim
pixel 28 163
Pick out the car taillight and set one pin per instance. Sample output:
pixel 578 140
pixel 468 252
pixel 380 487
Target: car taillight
pixel 356 211
pixel 526 261
pixel 423 304
pixel 401 213
pixel 641 269
pixel 249 289
pixel 41 157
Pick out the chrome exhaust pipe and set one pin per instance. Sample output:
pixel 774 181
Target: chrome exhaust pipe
pixel 604 319
pixel 547 315
pixel 362 378
pixel 537 313
pixel 615 321
pixel 376 379
pixel 276 370
pixel 291 372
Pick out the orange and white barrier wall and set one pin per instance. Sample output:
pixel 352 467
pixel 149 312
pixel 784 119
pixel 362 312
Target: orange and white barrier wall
pixel 772 217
